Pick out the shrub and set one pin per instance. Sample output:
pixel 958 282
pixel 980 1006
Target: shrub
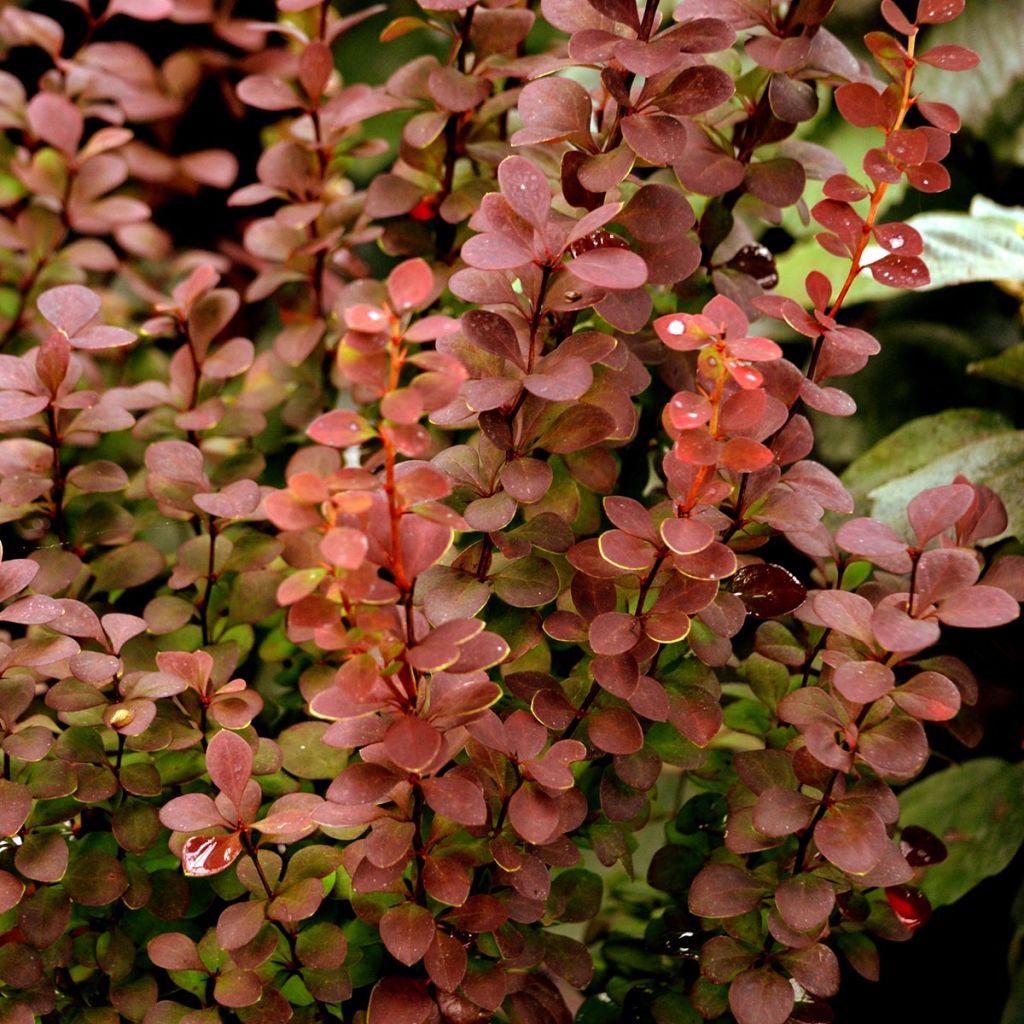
pixel 421 550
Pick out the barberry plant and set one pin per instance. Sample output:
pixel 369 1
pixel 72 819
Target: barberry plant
pixel 389 571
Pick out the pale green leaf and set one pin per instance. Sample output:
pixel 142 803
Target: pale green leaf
pixel 977 810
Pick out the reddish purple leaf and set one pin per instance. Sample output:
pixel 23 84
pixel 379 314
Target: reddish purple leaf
pixel 937 509
pixel 815 968
pixel 852 836
pixel 407 931
pixel 910 905
pixel 930 696
pixel 174 952
pixel 614 633
pixel 240 923
pixel 950 58
pixel 533 814
pixel 615 731
pixel 658 138
pixel 191 813
pixel 863 681
pixel 410 284
pixel 400 1001
pixel 610 268
pixel 781 812
pixel 229 761
pixel 412 743
pixel 69 307
pixel 761 997
pixel 553 110
pixel 979 607
pixel 805 901
pixel 15 806
pixel 526 189
pixel 936 12
pixel 900 271
pixel 896 18
pixel 722 958
pixel 722 890
pixel 446 961
pixel 457 799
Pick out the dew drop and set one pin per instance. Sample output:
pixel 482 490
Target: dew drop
pixel 677 327
pixel 896 242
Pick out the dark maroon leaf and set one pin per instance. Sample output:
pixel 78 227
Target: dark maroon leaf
pixel 768 591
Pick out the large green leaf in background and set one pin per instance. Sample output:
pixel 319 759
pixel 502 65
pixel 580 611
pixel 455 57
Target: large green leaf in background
pixel 931 451
pixel 977 809
pixel 985 244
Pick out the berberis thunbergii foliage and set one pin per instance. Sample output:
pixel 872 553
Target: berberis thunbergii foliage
pixel 383 579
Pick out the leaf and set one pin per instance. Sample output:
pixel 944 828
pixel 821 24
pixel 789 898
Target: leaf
pixel 915 445
pixel 267 93
pixel 202 856
pixel 400 1001
pixel 977 809
pixel 526 189
pixel 610 268
pixel 446 961
pixel 996 461
pixel 412 743
pixel 457 799
pixel 852 836
pixel 722 890
pixel 174 952
pixel 805 901
pixel 69 307
pixel 95 879
pixel 768 591
pixel 15 806
pixel 57 121
pixel 240 923
pixel 1007 367
pixel 533 814
pixel 410 284
pixel 407 931
pixel 761 997
pixel 229 761
pixel 527 583
pixel 553 110
pixel 615 731
pixel 322 946
pixel 494 334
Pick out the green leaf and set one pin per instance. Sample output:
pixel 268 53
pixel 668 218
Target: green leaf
pixel 1006 368
pixel 576 895
pixel 984 244
pixel 996 461
pixel 305 756
pixel 977 810
pixel 916 445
